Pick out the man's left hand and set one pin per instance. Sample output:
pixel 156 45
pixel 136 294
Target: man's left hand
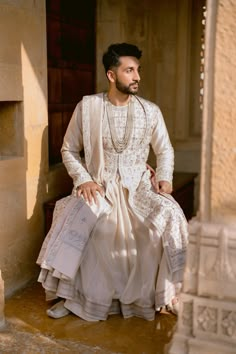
pixel 161 186
pixel 165 187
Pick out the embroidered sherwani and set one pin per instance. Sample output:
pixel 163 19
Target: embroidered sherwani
pixel 135 240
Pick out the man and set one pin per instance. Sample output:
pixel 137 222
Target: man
pixel 133 233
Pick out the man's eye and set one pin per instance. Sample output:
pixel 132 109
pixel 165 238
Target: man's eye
pixel 128 70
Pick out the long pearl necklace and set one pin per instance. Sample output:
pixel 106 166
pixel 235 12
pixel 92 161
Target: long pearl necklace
pixel 120 144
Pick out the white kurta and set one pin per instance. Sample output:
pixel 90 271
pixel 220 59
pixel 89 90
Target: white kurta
pixel 137 238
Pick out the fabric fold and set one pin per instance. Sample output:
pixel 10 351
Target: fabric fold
pixel 69 234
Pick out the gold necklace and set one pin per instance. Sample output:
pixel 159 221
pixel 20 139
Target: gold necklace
pixel 120 144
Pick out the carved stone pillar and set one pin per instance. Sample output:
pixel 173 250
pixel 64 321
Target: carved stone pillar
pixel 207 319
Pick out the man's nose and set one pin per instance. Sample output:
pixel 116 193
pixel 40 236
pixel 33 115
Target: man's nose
pixel 136 76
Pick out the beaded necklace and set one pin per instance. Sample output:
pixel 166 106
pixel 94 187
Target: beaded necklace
pixel 120 144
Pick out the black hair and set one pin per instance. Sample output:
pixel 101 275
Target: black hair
pixel 115 51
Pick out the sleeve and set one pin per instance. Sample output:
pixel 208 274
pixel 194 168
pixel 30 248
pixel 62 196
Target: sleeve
pixel 162 148
pixel 71 148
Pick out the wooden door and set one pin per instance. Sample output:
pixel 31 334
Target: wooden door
pixel 71 63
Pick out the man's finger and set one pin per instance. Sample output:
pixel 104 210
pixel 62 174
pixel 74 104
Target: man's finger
pixel 90 193
pixel 89 196
pixel 94 195
pixel 84 194
pixel 100 190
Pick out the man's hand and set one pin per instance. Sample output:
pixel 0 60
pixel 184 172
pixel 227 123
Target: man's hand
pixel 164 187
pixel 161 186
pixel 89 191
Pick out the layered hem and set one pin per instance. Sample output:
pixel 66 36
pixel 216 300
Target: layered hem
pixel 89 310
pixel 93 312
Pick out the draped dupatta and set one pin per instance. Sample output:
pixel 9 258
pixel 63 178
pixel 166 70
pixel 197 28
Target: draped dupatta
pixel 92 115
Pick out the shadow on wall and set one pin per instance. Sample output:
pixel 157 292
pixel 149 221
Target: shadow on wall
pixel 35 223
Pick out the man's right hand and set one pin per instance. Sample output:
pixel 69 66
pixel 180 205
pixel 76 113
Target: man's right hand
pixel 89 191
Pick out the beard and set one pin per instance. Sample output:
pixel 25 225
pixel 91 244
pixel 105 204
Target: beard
pixel 129 90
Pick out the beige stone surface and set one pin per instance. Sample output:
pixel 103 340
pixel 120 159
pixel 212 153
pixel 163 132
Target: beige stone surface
pixel 11 83
pixel 20 22
pixel 223 190
pixel 25 179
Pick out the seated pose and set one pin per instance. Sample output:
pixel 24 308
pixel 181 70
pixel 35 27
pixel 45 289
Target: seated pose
pixel 118 243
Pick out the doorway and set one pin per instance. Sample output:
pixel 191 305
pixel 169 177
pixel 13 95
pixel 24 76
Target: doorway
pixel 71 64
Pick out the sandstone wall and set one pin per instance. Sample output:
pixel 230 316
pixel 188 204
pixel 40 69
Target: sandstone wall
pixel 25 179
pixel 223 186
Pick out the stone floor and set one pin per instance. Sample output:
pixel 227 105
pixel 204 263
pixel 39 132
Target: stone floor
pixel 30 331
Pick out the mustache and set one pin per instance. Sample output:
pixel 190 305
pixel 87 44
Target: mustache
pixel 134 83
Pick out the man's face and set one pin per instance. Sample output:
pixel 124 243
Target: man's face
pixel 127 76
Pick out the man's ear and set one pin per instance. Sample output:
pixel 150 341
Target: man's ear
pixel 111 75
